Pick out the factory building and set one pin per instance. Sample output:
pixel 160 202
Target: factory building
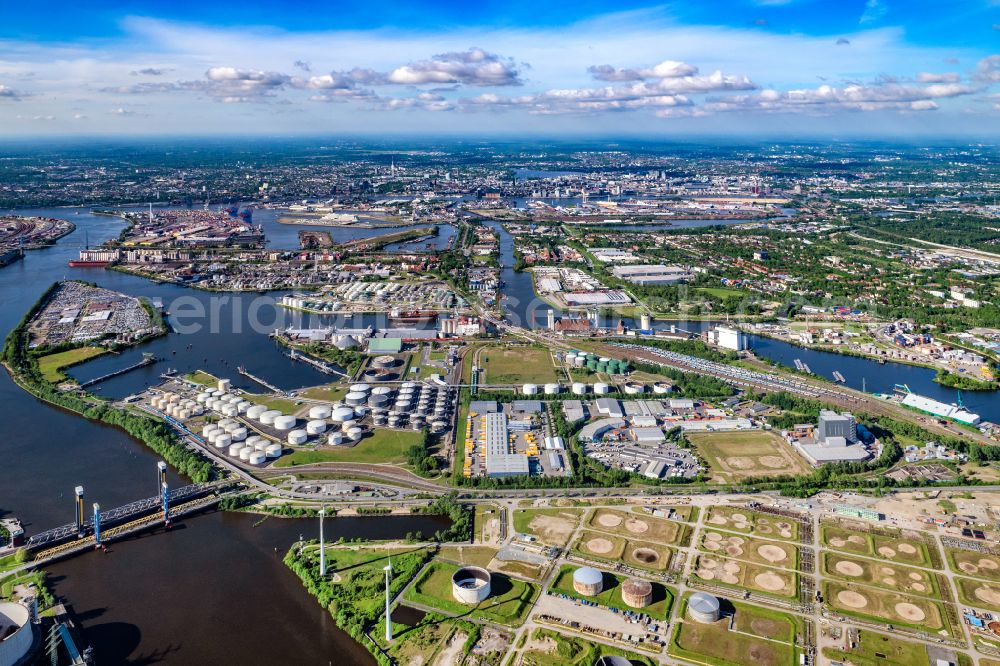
pixel 499 461
pixel 727 338
pixel 654 274
pixel 832 424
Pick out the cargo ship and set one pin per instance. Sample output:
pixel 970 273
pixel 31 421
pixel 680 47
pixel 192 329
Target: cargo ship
pixel 413 316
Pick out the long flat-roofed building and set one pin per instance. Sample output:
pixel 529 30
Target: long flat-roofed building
pixel 651 274
pixel 499 460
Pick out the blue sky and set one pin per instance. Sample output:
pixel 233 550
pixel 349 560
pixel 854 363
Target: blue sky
pixel 740 67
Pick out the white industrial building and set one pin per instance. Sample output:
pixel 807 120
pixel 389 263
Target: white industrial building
pixel 651 274
pixel 499 461
pixel 941 409
pixel 727 338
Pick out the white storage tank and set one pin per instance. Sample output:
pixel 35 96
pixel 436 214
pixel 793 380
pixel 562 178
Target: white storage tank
pixel 262 445
pixel 257 458
pixel 255 411
pixel 202 398
pixel 239 434
pixel 347 425
pixel 661 388
pixel 224 385
pixel 230 410
pixel 341 414
pixel 316 427
pixel 360 388
pixel 208 429
pixel 335 438
pixel 234 449
pixel 355 434
pixel 530 389
pixel 297 437
pixel 246 452
pixel 268 417
pixel 634 389
pixel 355 398
pixel 185 414
pixel 579 388
pixel 320 412
pixel 551 389
pixel 243 405
pixel 284 422
pixel 600 388
pixel 273 451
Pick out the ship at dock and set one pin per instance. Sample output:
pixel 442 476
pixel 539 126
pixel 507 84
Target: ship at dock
pixel 413 316
pixel 955 411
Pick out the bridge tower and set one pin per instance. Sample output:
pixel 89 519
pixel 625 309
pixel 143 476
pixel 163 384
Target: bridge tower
pixel 97 525
pixel 322 545
pixel 161 475
pixel 165 495
pixel 79 511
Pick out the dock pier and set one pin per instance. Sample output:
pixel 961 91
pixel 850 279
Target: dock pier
pixel 148 359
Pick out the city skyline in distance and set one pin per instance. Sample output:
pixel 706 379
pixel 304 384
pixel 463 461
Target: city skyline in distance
pixel 871 68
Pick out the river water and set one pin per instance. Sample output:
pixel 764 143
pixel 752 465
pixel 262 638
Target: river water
pixel 214 590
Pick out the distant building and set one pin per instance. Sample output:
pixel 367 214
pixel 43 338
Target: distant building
pixel 499 461
pixel 727 338
pixel 653 274
pixel 832 425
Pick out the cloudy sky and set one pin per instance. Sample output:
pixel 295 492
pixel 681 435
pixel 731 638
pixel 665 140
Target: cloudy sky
pixel 881 68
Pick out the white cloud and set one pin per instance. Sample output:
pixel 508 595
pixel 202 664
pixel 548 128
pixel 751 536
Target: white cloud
pixel 988 69
pixel 474 67
pixel 874 11
pixel 666 69
pixel 944 77
pixel 9 93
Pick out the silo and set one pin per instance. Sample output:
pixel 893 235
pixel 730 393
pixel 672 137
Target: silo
pixel 588 581
pixel 637 593
pixel 297 437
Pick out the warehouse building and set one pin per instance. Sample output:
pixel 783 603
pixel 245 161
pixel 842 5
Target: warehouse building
pixel 651 274
pixel 499 461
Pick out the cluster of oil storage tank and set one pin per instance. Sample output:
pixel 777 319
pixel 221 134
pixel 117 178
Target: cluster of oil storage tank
pixel 594 363
pixel 177 406
pixel 578 388
pixel 226 404
pixel 231 437
pixel 414 405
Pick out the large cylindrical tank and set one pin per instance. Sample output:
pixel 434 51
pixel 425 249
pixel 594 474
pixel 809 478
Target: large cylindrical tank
pixel 316 426
pixel 273 451
pixel 230 410
pixel 320 412
pixel 579 388
pixel 335 438
pixel 234 449
pixel 600 388
pixel 246 452
pixel 18 635
pixel 243 405
pixel 239 434
pixel 632 388
pixel 268 417
pixel 341 414
pixel 224 385
pixel 530 389
pixel 588 581
pixel 637 593
pixel 376 401
pixel 261 444
pixel 471 585
pixel 257 458
pixel 360 388
pixel 355 398
pixel 703 607
pixel 223 440
pixel 297 437
pixel 552 389
pixel 355 434
pixel 661 388
pixel 208 429
pixel 284 422
pixel 255 411
pixel 347 425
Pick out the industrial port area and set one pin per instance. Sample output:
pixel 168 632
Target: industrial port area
pixel 581 410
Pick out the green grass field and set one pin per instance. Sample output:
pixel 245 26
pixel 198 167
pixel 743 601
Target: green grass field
pixel 972 563
pixel 758 551
pixel 383 446
pixel 760 636
pixel 283 405
pixel 332 392
pixel 881 546
pixel 611 596
pixel 881 650
pixel 572 651
pixel 51 365
pixel 880 574
pixel 743 575
pixel 880 605
pixel 979 594
pixel 518 365
pixel 508 604
pixel 632 525
pixel 732 456
pixel 201 377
